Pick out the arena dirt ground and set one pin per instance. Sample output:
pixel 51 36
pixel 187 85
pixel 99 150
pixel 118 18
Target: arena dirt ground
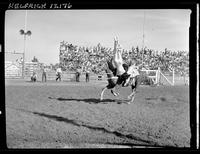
pixel 70 115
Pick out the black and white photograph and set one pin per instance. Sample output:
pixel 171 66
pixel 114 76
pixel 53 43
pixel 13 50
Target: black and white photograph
pixel 97 78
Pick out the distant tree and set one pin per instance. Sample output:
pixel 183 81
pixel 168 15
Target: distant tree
pixel 34 59
pixel 137 49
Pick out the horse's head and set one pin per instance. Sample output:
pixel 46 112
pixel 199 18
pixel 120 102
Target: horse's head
pixel 130 75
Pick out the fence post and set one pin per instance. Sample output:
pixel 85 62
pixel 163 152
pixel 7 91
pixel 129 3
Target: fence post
pixel 173 76
pixel 158 76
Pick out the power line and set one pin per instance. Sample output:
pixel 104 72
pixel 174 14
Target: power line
pixel 14 52
pixel 25 24
pixel 143 37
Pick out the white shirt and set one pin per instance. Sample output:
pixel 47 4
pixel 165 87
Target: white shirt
pixel 59 70
pixel 44 70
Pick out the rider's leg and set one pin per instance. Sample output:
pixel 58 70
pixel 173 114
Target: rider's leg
pixel 118 61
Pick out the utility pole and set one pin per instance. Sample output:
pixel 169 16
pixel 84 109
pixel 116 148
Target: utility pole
pixel 143 36
pixel 24 32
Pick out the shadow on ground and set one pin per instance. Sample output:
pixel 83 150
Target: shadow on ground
pixel 87 100
pixel 79 123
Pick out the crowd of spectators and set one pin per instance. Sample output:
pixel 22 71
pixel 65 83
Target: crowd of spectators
pixel 93 59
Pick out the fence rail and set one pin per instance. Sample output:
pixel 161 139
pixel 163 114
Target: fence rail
pixel 157 76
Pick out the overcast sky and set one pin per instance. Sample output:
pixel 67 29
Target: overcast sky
pixel 162 28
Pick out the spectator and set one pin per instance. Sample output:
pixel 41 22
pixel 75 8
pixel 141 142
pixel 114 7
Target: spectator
pixel 78 73
pixel 87 76
pixel 96 57
pixel 58 74
pixel 34 77
pixel 44 74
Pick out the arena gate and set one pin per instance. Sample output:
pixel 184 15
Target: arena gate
pixel 152 74
pixel 13 64
pixel 167 77
pixel 13 70
pixel 160 78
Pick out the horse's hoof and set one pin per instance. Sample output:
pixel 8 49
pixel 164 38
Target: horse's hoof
pixel 114 93
pixel 128 103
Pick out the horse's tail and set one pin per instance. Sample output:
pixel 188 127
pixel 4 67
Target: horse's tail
pixel 111 81
pixel 109 73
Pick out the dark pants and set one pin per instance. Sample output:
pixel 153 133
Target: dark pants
pixel 33 79
pixel 58 77
pixel 77 77
pixel 87 77
pixel 44 76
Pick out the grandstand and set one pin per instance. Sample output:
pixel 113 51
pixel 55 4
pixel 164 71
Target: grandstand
pixel 171 63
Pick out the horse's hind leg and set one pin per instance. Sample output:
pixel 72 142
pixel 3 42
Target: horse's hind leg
pixel 102 92
pixel 116 89
pixel 113 91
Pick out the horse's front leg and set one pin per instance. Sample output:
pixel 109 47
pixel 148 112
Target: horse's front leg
pixel 131 97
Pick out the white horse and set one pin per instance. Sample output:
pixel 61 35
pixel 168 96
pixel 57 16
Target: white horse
pixel 119 74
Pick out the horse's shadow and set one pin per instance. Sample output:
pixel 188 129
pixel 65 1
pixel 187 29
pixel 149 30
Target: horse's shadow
pixel 86 100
